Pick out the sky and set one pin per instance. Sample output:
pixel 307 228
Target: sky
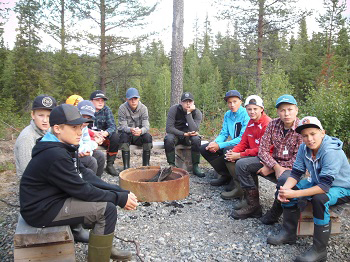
pixel 161 20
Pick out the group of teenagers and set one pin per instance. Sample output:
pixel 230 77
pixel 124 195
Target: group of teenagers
pixel 60 166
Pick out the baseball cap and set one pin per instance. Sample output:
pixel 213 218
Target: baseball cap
pixel 98 94
pixel 44 102
pixel 254 100
pixel 66 114
pixel 187 96
pixel 232 93
pixel 309 121
pixel 132 92
pixel 286 99
pixel 86 107
pixel 74 100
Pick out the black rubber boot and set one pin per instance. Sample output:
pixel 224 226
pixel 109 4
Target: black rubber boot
pixel 195 162
pixel 224 176
pixel 80 234
pixel 170 158
pixel 146 155
pixel 288 234
pixel 253 209
pixel 271 217
pixel 109 167
pixel 126 159
pixel 318 250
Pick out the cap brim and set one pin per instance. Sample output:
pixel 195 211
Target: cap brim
pixel 302 127
pixel 78 121
pixel 133 97
pixel 187 99
pixel 227 97
pixel 284 102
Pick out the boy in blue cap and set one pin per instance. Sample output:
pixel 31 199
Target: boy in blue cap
pixel 327 185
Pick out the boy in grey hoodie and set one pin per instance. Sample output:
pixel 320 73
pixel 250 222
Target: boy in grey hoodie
pixel 133 127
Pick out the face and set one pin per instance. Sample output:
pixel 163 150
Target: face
pixel 234 103
pixel 287 113
pixel 254 112
pixel 186 104
pixel 312 137
pixel 87 117
pixel 133 102
pixel 68 134
pixel 99 103
pixel 41 118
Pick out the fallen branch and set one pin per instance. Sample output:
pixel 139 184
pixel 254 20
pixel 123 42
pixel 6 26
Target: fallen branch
pixel 9 204
pixel 137 246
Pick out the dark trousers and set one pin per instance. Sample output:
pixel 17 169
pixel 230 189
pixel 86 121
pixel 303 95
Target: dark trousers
pixel 171 140
pixel 112 144
pixel 217 159
pixel 127 139
pixel 102 215
pixel 246 169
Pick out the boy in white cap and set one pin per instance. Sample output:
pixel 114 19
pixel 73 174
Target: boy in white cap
pixel 327 185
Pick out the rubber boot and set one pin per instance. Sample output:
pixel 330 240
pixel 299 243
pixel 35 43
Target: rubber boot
pixel 237 191
pixel 271 217
pixel 253 209
pixel 318 250
pixel 80 234
pixel 109 167
pixel 224 177
pixel 195 162
pixel 230 186
pixel 126 159
pixel 146 155
pixel 240 203
pixel 170 157
pixel 100 247
pixel 288 234
pixel 120 255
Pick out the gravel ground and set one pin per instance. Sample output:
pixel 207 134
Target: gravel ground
pixel 197 228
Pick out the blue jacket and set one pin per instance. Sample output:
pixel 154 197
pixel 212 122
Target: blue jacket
pixel 234 126
pixel 330 167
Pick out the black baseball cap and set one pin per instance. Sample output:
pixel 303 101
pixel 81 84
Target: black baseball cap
pixel 68 115
pixel 98 94
pixel 44 102
pixel 232 93
pixel 187 96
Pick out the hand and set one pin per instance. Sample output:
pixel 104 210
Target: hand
pixel 279 170
pixel 212 147
pixel 136 131
pixel 285 194
pixel 191 108
pixel 232 156
pixel 191 133
pixel 104 133
pixel 132 203
pixel 265 171
pixel 82 154
pixel 99 139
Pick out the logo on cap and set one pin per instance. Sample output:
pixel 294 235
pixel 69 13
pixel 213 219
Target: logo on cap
pixel 88 108
pixel 187 95
pixel 47 101
pixel 306 121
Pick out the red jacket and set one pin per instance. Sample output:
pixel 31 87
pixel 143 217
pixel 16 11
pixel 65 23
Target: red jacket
pixel 249 145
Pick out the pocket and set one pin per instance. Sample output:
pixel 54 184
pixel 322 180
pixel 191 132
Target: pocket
pixel 238 127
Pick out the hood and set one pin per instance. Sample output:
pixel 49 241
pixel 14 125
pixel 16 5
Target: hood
pixel 330 142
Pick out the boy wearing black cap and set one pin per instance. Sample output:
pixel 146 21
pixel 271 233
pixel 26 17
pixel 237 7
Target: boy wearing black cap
pixel 133 127
pixel 182 127
pixel 105 124
pixel 53 191
pixel 41 109
pixel 234 125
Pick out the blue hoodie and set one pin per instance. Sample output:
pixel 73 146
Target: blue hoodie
pixel 330 167
pixel 234 126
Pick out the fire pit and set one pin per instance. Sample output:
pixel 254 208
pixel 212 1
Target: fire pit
pixel 175 187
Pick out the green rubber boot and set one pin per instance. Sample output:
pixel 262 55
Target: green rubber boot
pixel 195 162
pixel 100 247
pixel 170 157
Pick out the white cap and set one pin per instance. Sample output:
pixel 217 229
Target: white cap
pixel 309 121
pixel 254 100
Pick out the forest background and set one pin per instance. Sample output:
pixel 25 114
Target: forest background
pixel 314 68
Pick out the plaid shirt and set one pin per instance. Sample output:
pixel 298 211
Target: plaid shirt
pixel 285 148
pixel 104 120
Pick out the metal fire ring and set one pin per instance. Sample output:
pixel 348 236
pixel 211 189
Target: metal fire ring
pixel 176 188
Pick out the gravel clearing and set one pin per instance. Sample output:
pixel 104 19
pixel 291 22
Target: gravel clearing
pixel 197 228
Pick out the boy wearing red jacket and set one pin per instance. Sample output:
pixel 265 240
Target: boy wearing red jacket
pixel 240 156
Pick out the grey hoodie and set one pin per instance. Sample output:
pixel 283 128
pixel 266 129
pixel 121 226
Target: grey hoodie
pixel 24 145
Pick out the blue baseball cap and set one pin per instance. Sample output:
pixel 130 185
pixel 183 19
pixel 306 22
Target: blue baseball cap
pixel 232 93
pixel 86 107
pixel 132 92
pixel 286 99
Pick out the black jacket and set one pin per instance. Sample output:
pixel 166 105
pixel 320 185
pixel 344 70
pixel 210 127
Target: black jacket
pixel 52 176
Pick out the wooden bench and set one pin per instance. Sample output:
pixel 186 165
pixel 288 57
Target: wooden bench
pixel 43 244
pixel 182 153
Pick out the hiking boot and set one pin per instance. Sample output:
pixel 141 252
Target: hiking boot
pixel 195 162
pixel 120 255
pixel 109 167
pixel 253 209
pixel 288 234
pixel 271 217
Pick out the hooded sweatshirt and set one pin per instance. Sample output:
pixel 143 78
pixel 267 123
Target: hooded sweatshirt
pixel 52 176
pixel 329 168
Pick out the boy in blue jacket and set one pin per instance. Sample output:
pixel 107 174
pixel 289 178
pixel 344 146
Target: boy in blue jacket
pixel 327 185
pixel 234 125
pixel 56 189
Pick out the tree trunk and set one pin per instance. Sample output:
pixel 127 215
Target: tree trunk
pixel 260 40
pixel 103 54
pixel 177 52
pixel 63 32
